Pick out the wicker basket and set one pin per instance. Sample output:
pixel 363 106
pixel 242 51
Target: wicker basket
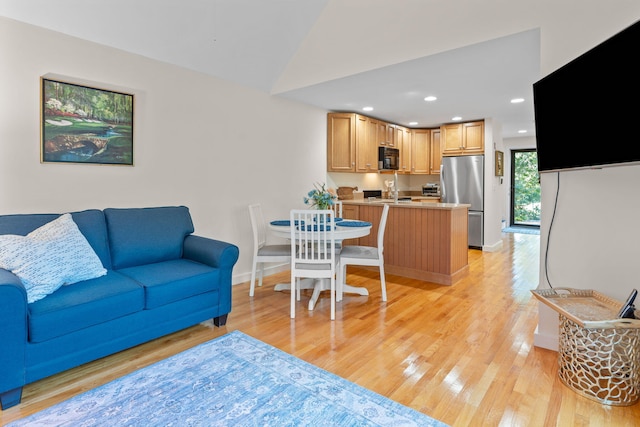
pixel 599 354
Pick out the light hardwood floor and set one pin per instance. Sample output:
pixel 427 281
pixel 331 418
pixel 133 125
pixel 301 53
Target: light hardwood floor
pixel 463 354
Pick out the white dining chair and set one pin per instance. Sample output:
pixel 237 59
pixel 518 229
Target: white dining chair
pixel 262 252
pixel 313 252
pixel 364 255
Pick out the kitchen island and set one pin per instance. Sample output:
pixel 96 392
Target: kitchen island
pixel 423 240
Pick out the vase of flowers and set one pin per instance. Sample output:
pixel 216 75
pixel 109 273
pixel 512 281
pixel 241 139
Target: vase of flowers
pixel 320 197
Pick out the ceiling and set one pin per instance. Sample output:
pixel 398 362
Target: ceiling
pixel 257 43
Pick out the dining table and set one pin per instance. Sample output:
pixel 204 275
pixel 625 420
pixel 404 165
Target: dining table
pixel 344 229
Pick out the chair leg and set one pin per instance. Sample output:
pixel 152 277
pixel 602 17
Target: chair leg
pixel 383 284
pixel 342 277
pixel 253 278
pixel 261 274
pixel 294 286
pixel 333 298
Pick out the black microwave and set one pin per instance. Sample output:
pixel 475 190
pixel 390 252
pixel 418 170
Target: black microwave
pixel 388 158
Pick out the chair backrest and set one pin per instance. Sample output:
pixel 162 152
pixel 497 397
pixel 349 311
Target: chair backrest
pixel 381 227
pixel 337 208
pixel 258 226
pixel 313 241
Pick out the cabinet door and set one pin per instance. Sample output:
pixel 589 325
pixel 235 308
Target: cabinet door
pixel 420 140
pixel 382 134
pixel 391 136
pixel 473 137
pixel 436 153
pixel 403 142
pixel 366 147
pixel 451 138
pixel 341 146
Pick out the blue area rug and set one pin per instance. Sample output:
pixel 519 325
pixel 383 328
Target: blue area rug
pixel 233 380
pixel 521 230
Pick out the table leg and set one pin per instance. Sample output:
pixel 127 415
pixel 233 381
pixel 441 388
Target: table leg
pixel 304 284
pixel 319 285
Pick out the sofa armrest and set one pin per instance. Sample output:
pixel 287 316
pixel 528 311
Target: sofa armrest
pixel 211 252
pixel 13 330
pixel 214 253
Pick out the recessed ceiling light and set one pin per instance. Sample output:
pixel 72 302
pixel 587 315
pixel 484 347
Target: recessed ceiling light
pixel 367 109
pixel 517 100
pixel 413 123
pixel 456 118
pixel 522 131
pixel 430 98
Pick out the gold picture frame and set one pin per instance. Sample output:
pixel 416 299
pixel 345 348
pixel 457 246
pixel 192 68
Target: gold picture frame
pixel 499 163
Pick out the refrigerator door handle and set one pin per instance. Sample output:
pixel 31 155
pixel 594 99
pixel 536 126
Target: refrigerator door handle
pixel 442 187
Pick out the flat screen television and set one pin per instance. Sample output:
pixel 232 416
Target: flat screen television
pixel 585 111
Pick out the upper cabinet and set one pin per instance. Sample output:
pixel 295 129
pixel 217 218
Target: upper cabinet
pixel 352 143
pixel 420 142
pixel 386 134
pixel 435 153
pixel 366 144
pixel 403 143
pixel 462 138
pixel 341 142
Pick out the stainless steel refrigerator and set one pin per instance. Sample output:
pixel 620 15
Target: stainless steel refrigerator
pixel 462 181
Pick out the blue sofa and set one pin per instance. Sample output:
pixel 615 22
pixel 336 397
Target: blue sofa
pixel 160 278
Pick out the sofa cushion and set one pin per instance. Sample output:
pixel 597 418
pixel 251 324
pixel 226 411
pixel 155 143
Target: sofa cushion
pixel 170 281
pixel 50 256
pixel 84 304
pixel 90 222
pixel 139 236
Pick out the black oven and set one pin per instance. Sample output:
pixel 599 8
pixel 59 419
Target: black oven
pixel 388 158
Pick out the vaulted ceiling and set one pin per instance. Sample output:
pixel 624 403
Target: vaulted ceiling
pixel 343 55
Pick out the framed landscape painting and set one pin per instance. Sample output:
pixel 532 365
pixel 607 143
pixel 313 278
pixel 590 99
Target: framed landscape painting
pixel 81 124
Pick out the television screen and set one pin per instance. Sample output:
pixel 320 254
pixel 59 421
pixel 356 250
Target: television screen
pixel 585 110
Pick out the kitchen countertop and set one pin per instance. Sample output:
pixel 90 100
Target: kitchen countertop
pixel 407 204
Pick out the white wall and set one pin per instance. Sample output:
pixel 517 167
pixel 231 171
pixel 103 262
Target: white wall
pixel 593 239
pixel 198 141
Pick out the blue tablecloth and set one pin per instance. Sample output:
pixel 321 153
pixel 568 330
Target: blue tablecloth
pixel 354 224
pixel 282 222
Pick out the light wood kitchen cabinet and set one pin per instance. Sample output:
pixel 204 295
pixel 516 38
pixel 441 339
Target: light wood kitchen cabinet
pixel 366 144
pixel 386 134
pixel 341 142
pixel 462 138
pixel 391 136
pixel 435 153
pixel 353 141
pixel 420 141
pixel 403 142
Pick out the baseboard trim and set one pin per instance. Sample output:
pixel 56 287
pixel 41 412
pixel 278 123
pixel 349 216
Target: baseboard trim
pixel 493 248
pixel 550 342
pixel 268 271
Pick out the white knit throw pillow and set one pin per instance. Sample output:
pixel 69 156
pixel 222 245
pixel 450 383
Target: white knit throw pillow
pixel 53 255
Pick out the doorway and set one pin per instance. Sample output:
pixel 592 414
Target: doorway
pixel 525 189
